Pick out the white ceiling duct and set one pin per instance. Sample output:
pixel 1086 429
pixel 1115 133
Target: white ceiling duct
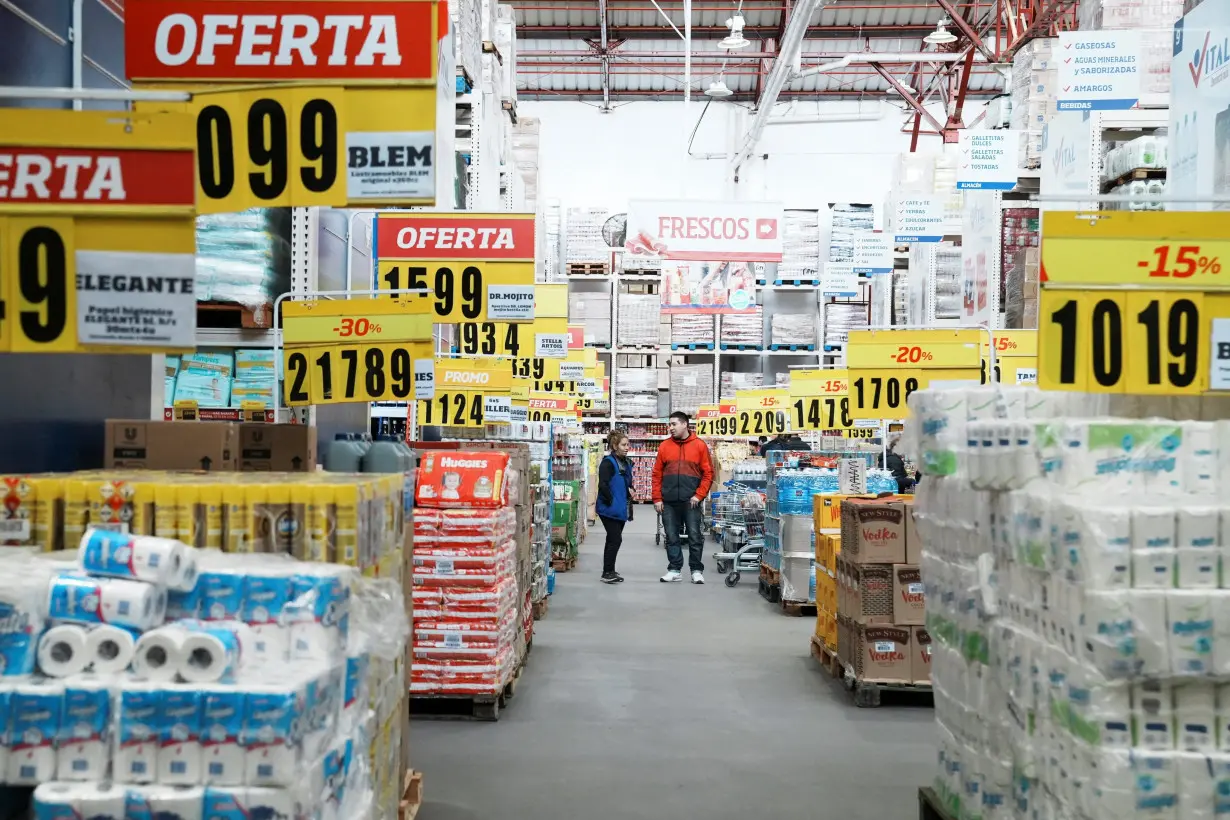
pixel 873 57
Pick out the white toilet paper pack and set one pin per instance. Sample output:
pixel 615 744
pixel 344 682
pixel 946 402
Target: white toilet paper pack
pixel 265 601
pixel 222 750
pixel 1191 632
pixel 34 715
pixel 273 717
pixel 179 748
pixel 165 803
pixel 90 600
pixel 87 801
pixel 137 557
pixel 221 595
pixel 138 733
pixel 23 611
pixel 83 749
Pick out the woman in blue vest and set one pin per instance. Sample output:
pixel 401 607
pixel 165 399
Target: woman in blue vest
pixel 614 501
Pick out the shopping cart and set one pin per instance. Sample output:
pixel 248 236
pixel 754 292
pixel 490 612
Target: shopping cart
pixel 738 518
pixel 661 531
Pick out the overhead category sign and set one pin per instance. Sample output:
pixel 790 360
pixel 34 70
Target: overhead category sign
pixel 918 219
pixel 319 103
pixel 1159 332
pixel 472 267
pixel 838 279
pixel 97 234
pixel 873 252
pixel 987 160
pixel 1098 70
pixel 705 231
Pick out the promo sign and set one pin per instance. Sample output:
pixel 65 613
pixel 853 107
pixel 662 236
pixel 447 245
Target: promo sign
pixel 703 231
pixel 762 412
pixel 716 419
pixel 347 114
pixel 886 366
pixel 1153 335
pixel 818 400
pixel 478 267
pixel 356 350
pixel 97 235
pixel 1016 357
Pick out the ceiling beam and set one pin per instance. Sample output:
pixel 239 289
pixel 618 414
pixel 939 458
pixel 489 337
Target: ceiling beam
pixel 718 32
pixel 907 96
pixel 961 23
pixel 627 95
pixel 606 60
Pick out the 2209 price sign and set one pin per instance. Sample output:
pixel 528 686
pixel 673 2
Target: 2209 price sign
pixel 763 422
pixel 822 413
pixel 1134 342
pixel 339 374
pixel 460 409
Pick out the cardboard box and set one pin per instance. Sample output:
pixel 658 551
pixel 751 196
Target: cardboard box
pixel 873 530
pixel 865 592
pixel 913 544
pixel 279 448
pixel 908 603
pixel 920 665
pixel 170 445
pixel 884 654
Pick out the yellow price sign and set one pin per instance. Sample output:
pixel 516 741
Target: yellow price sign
pixel 506 338
pixel 913 349
pixel 818 399
pixel 452 408
pixel 556 386
pixel 459 292
pixel 356 320
pixel 1172 250
pixel 882 394
pixel 488 376
pixel 1141 341
pixel 97 237
pixel 520 388
pixel 1016 357
pixel 717 420
pixel 806 383
pixel 551 302
pixel 548 408
pixel 338 374
pixel 762 412
pixel 861 432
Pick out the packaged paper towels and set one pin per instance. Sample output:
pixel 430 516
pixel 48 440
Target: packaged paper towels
pixel 165 802
pixel 83 750
pixel 88 801
pixel 34 723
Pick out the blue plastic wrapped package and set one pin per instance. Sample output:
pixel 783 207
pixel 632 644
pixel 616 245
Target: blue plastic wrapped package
pixel 206 391
pixel 255 364
pixel 244 257
pixel 208 363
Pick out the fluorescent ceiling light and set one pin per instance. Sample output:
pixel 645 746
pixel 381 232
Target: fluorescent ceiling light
pixel 736 38
pixel 718 89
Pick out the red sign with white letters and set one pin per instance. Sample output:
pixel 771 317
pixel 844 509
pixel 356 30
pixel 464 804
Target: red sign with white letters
pixel 436 237
pixel 96 176
pixel 192 40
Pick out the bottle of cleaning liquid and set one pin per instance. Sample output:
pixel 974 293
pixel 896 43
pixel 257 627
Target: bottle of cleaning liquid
pixel 344 454
pixel 384 456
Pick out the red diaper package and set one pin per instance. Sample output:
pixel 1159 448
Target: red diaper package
pixel 461 478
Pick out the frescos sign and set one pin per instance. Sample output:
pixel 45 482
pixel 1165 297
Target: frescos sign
pixel 705 231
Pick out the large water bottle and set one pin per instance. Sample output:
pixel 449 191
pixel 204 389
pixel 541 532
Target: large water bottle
pixel 384 456
pixel 344 454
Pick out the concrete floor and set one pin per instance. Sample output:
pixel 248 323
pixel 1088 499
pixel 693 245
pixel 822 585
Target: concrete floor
pixel 673 701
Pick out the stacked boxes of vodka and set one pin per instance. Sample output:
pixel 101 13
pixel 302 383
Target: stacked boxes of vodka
pixel 583 242
pixel 800 246
pixel 506 46
pixel 691 386
pixel 1154 19
pixel 592 310
pixel 880 601
pixel 465 20
pixel 1034 84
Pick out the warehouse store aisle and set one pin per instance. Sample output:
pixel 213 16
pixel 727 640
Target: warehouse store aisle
pixel 673 702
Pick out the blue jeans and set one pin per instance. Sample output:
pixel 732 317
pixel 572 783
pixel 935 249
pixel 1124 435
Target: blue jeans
pixel 674 518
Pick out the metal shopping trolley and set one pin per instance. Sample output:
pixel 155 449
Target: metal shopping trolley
pixel 738 521
pixel 661 532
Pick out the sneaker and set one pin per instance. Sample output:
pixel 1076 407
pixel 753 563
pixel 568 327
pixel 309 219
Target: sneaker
pixel 619 579
pixel 610 578
pixel 698 577
pixel 672 576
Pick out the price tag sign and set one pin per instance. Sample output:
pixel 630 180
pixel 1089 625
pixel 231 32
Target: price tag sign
pixel 1157 335
pixel 1016 357
pixel 550 408
pixel 338 374
pixel 485 375
pixel 329 103
pixel 886 366
pixel 474 267
pixel 852 476
pixel 818 400
pixel 717 420
pixel 505 338
pixel 97 236
pixel 497 409
pixel 762 412
pixel 361 319
pixel 452 409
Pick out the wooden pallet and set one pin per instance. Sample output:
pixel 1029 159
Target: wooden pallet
pixel 799 608
pixel 489 48
pixel 802 348
pixel 564 564
pixel 589 269
pixel 1132 176
pixel 642 272
pixel 539 609
pixel 230 316
pixel 411 796
pixel 464 707
pixel 867 693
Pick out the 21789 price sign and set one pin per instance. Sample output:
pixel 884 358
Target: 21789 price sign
pixel 333 375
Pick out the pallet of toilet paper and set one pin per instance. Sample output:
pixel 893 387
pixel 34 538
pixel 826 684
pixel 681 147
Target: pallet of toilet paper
pixel 1078 598
pixel 143 662
pixel 353 519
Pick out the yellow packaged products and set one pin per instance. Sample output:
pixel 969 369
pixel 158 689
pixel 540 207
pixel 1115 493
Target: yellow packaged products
pixel 212 508
pixel 48 511
pixel 347 501
pixel 236 518
pixel 319 544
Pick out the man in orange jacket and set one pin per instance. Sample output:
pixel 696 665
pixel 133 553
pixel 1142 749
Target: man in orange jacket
pixel 682 476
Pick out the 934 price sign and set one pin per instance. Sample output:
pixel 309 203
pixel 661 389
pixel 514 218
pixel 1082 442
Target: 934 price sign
pixel 338 374
pixel 1144 342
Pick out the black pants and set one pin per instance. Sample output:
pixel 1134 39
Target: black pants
pixel 676 517
pixel 614 539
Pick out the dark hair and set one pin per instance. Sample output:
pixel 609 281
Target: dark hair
pixel 682 416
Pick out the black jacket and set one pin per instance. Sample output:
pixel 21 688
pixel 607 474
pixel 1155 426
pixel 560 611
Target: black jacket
pixel 606 471
pixel 896 466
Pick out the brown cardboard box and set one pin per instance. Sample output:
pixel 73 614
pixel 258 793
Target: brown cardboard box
pixel 865 592
pixel 884 654
pixel 279 448
pixel 908 606
pixel 170 445
pixel 920 665
pixel 913 544
pixel 873 531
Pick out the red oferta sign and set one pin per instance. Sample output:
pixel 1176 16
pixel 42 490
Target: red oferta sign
pixel 88 176
pixel 436 236
pixel 362 40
